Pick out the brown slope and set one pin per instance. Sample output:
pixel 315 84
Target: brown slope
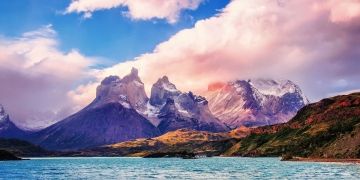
pixel 182 140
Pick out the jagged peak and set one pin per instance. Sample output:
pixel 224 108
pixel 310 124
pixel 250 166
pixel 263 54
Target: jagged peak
pixel 110 79
pixel 3 115
pixel 133 76
pixel 164 79
pixel 165 84
pixel 2 110
pixel 129 89
pixel 134 71
pixel 274 87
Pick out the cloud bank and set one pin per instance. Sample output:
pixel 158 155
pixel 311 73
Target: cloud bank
pixel 137 9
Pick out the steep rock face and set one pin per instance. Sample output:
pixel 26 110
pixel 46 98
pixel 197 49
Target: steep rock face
pixel 256 102
pixel 112 117
pixel 162 90
pixel 176 110
pixel 128 91
pixel 7 128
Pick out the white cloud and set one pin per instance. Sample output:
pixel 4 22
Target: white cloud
pixel 36 77
pixel 137 9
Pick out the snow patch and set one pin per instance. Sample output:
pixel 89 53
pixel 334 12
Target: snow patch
pixel 169 87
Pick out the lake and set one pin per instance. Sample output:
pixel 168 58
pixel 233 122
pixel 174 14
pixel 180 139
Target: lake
pixel 174 168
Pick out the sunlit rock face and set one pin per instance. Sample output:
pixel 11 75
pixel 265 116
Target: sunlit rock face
pixel 128 91
pixel 255 102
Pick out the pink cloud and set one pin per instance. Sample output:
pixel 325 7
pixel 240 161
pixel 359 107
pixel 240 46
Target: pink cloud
pixel 137 9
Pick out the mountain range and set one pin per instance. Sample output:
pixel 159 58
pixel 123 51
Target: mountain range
pixel 122 111
pixel 329 128
pixel 255 102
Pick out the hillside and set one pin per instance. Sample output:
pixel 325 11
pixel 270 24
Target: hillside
pixel 182 140
pixel 22 148
pixel 326 129
pixel 7 156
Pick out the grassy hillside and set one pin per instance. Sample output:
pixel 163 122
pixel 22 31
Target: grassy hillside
pixel 182 140
pixel 327 129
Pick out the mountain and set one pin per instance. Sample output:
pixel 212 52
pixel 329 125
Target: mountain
pixel 326 129
pixel 256 102
pixel 174 109
pixel 110 118
pixel 7 128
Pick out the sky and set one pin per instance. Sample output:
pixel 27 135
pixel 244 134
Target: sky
pixel 53 54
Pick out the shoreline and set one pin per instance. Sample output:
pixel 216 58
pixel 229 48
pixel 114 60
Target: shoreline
pixel 355 161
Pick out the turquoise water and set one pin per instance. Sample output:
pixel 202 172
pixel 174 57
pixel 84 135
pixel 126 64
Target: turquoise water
pixel 173 168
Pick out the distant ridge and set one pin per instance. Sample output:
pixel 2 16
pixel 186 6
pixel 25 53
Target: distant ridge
pixel 255 102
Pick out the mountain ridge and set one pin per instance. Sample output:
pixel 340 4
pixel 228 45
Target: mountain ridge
pixel 256 102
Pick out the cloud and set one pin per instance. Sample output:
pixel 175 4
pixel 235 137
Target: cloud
pixel 137 9
pixel 342 11
pixel 310 42
pixel 36 77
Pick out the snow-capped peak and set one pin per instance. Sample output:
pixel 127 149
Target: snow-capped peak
pixel 273 87
pixel 256 102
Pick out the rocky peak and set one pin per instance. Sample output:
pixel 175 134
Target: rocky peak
pixel 255 102
pixel 2 110
pixel 133 76
pixel 3 115
pixel 181 110
pixel 128 91
pixel 162 90
pixel 276 87
pixel 7 128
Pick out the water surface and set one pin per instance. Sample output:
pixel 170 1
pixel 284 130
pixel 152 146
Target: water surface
pixel 174 168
